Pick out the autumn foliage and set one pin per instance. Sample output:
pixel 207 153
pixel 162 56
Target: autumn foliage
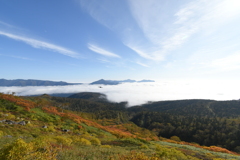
pixel 211 148
pixel 112 129
pixel 21 150
pixel 18 101
pixel 45 136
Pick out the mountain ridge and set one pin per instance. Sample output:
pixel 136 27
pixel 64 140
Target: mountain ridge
pixel 116 82
pixel 33 82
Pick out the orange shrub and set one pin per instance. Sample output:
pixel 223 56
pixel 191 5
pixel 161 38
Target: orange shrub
pixel 18 101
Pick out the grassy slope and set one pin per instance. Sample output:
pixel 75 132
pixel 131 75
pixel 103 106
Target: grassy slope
pixel 86 139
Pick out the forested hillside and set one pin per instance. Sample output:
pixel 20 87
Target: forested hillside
pixel 205 122
pixel 47 127
pixel 193 107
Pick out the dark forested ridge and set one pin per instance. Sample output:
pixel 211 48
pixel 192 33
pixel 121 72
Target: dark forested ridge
pixel 206 122
pixel 193 107
pixel 92 96
pixel 89 102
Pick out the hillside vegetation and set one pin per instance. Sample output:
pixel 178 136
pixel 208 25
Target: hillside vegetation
pixel 205 122
pixel 51 128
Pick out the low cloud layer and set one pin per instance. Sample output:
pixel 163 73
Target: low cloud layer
pixel 140 93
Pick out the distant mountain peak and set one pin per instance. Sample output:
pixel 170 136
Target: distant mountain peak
pixel 146 80
pixel 116 82
pixel 106 82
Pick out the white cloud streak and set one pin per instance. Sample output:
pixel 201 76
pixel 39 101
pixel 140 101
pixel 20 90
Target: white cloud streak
pixel 7 25
pixel 194 17
pixel 18 57
pixel 156 29
pixel 142 64
pixel 149 16
pixel 41 45
pixel 102 51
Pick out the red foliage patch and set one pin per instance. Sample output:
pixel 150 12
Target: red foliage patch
pixel 78 119
pixel 18 101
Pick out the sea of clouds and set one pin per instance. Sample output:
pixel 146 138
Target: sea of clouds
pixel 140 93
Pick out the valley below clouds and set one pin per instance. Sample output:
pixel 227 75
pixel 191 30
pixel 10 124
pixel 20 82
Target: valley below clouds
pixel 140 93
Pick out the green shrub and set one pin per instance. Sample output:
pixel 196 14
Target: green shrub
pixel 131 142
pixel 51 129
pixel 63 140
pixel 144 146
pixel 137 156
pixel 82 141
pixel 42 116
pixel 18 150
pixel 1 134
pixel 9 106
pixel 95 141
pixel 44 140
pixel 175 138
pixel 171 154
pixel 106 146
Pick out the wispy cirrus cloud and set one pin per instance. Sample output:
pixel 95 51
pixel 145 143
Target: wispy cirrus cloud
pixel 179 24
pixel 147 30
pixel 142 64
pixel 153 19
pixel 156 29
pixel 102 51
pixel 18 57
pixel 6 24
pixel 41 44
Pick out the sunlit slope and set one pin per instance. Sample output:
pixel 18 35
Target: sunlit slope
pixel 37 129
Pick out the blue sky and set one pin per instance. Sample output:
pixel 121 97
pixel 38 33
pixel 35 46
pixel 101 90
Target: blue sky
pixel 86 40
